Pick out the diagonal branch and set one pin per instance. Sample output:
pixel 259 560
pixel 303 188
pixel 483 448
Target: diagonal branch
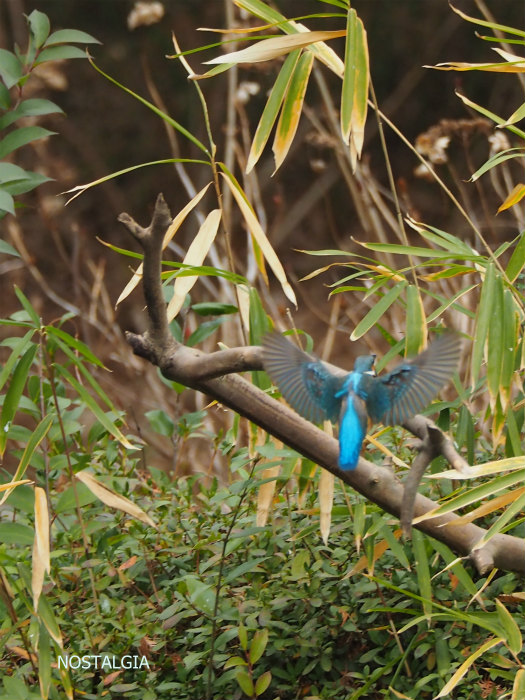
pixel 215 374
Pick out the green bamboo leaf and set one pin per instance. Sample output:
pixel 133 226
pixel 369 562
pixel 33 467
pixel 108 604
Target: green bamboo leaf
pixel 44 662
pixel 397 249
pixel 47 617
pixel 517 259
pixel 93 406
pixel 511 334
pixel 509 624
pixel 292 108
pixel 271 109
pixel 12 397
pixel 75 344
pixel 178 127
pixel 490 25
pixel 495 339
pixel 21 137
pixel 18 349
pixel 80 189
pixel 483 319
pixel 487 113
pixel 500 524
pixel 423 571
pixel 456 566
pixel 477 493
pixel 34 441
pixel 377 311
pixel 245 682
pixel 518 689
pixel 354 93
pixel 258 645
pixel 497 159
pixel 416 326
pixel 447 241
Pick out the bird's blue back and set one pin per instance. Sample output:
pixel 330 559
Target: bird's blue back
pixel 318 394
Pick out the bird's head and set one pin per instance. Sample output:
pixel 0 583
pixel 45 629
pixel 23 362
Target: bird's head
pixel 364 364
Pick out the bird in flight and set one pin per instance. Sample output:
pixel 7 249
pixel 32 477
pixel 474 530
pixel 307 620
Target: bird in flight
pixel 319 394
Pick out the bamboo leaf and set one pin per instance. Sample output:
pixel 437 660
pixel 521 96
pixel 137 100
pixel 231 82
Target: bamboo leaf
pixel 269 49
pixel 41 562
pixel 197 251
pixel 12 397
pixel 112 499
pixel 495 339
pixel 465 666
pixel 515 195
pixel 517 259
pixel 266 493
pixel 354 92
pixel 326 500
pixel 497 159
pixel 271 109
pixel 292 108
pixel 483 318
pixel 257 232
pixel 416 325
pixel 320 50
pixel 34 441
pixel 377 311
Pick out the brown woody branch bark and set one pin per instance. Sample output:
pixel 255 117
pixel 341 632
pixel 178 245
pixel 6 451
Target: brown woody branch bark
pixel 216 375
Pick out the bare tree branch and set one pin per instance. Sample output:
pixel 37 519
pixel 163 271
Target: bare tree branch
pixel 215 374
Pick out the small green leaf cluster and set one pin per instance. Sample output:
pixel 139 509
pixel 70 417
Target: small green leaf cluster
pixel 16 68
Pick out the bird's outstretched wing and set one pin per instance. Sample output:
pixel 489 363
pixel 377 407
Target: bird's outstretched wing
pixel 407 389
pixel 306 383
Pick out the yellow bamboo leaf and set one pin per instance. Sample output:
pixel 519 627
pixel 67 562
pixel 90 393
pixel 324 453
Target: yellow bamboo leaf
pixel 257 232
pixel 292 108
pixel 486 508
pixel 266 494
pixel 379 549
pixel 482 470
pixel 12 484
pixel 271 110
pixel 268 49
pixel 354 91
pixel 197 251
pixel 112 499
pixel 518 67
pixel 516 195
pixel 326 499
pixel 172 230
pixel 40 562
pixel 458 675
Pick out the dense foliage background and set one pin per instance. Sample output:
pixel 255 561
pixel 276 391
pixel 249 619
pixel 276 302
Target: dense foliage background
pixel 223 600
